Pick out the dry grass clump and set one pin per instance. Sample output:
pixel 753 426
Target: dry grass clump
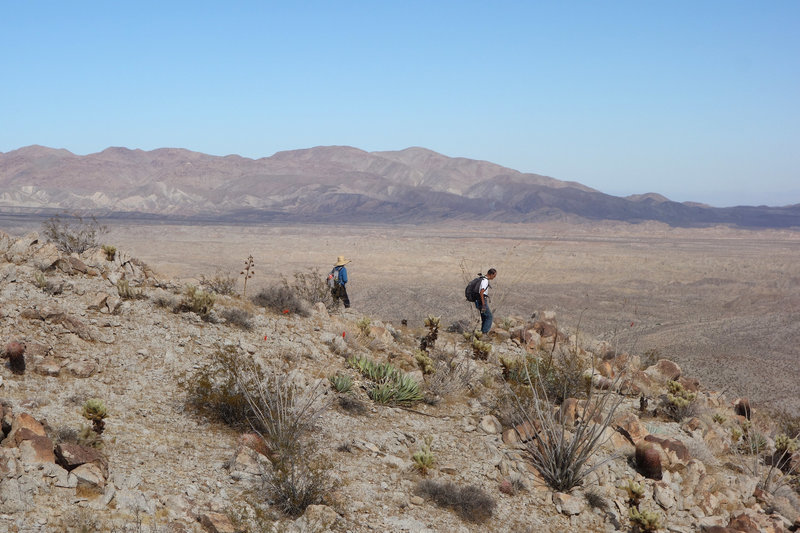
pixel 219 283
pixel 238 317
pixel 556 375
pixel 470 502
pixel 73 233
pixel 311 286
pixel 281 299
pixel 451 376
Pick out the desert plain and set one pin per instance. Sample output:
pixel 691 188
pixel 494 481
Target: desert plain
pixel 723 303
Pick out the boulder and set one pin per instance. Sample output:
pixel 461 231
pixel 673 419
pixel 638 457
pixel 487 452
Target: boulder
pixel 70 455
pixel 664 370
pixel 648 460
pixel 216 523
pixel 36 449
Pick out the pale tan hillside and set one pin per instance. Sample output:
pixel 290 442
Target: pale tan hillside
pixel 457 457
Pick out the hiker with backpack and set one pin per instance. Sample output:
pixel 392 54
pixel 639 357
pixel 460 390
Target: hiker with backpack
pixel 477 292
pixel 337 280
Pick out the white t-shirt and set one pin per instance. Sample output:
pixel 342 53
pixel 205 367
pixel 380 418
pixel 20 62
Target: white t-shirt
pixel 484 287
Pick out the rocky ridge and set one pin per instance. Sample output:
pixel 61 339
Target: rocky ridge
pixel 165 466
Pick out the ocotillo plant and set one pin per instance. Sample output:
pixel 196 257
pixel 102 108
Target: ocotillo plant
pixel 247 273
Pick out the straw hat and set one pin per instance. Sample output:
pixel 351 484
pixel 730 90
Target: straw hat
pixel 341 261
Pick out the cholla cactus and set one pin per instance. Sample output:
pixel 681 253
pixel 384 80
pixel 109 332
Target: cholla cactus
pixel 424 362
pixel 125 290
pixel 247 273
pixel 679 402
pixel 365 325
pixel 198 301
pixel 429 341
pixel 645 520
pixel 785 444
pixel 635 492
pixel 424 459
pixel 110 251
pixel 480 349
pixel 95 411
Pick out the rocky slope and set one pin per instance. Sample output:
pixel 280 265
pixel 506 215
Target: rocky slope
pixel 325 183
pixel 160 465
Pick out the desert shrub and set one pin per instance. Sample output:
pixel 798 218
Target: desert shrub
pixel 311 286
pixel 166 301
pixel 564 457
pixel 649 358
pixel 596 499
pixel 452 375
pixel 219 283
pixel 470 502
pixel 283 416
pixel 559 375
pixel 679 403
pixel 197 301
pixel 65 434
pixel 48 286
pixel 281 299
pixel 238 317
pixel 423 458
pixel 73 233
pixel 213 389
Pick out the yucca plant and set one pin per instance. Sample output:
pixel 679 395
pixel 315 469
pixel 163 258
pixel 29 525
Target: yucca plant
pixel 341 383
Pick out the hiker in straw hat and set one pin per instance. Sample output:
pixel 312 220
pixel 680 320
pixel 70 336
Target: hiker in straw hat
pixel 337 281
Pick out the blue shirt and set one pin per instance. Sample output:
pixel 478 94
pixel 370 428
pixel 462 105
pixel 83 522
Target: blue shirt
pixel 342 274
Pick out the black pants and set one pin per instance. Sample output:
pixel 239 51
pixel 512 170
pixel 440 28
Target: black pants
pixel 340 293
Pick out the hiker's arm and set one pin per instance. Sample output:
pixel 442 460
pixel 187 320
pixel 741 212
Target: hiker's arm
pixel 483 302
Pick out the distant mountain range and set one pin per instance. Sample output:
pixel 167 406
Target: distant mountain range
pixel 326 184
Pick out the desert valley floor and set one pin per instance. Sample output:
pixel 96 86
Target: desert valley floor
pixel 723 303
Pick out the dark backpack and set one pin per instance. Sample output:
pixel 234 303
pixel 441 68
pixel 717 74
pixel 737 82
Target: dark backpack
pixel 473 290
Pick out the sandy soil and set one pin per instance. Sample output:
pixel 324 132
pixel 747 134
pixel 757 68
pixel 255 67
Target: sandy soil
pixel 722 303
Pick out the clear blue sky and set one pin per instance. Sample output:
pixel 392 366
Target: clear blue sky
pixel 695 100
